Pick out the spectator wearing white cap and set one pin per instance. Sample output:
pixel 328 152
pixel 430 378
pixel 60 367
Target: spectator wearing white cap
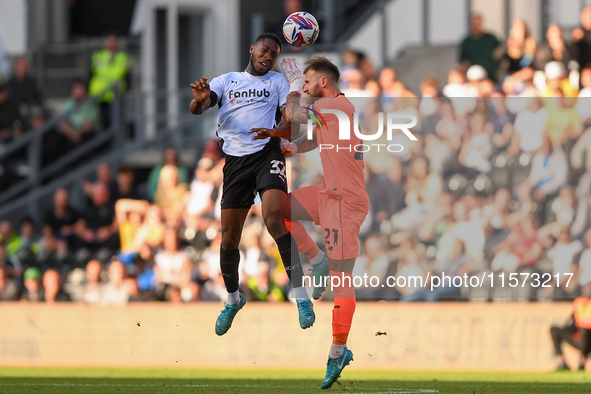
pixel 476 76
pixel 462 90
pixel 557 82
pixel 476 73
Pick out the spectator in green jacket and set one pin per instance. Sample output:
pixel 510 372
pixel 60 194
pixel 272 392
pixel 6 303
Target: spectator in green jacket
pixel 479 47
pixel 84 119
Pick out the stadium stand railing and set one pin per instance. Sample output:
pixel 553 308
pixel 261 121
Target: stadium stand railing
pixel 58 64
pixel 37 173
pixel 178 129
pixel 33 192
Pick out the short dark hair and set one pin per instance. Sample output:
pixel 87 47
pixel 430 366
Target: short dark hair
pixel 27 219
pixel 124 169
pixel 270 36
pixel 78 81
pixel 322 65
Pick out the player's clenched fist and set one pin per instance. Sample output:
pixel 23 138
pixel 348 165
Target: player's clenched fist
pixel 287 147
pixel 201 90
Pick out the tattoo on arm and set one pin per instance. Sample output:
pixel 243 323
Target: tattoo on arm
pixel 294 111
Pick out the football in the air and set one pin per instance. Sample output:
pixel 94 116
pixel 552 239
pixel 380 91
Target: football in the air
pixel 300 29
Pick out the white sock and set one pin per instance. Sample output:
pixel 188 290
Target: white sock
pixel 234 298
pixel 301 293
pixel 318 258
pixel 336 351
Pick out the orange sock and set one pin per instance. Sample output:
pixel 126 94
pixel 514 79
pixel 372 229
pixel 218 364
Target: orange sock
pixel 305 244
pixel 344 307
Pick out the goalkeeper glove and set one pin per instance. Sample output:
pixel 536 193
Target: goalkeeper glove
pixel 295 77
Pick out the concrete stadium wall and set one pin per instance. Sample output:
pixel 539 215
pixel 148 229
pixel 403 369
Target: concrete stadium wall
pixel 13 26
pixel 501 337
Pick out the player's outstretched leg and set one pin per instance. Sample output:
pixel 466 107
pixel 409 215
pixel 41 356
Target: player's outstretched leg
pixel 342 316
pixel 334 367
pixel 296 276
pixel 317 258
pixel 232 222
pixel 229 261
pixel 321 273
pixel 225 319
pixel 274 205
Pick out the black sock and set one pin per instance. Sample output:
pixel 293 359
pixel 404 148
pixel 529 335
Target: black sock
pixel 291 261
pixel 229 260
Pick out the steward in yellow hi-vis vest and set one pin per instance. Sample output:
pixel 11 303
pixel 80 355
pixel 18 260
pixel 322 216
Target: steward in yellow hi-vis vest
pixel 108 66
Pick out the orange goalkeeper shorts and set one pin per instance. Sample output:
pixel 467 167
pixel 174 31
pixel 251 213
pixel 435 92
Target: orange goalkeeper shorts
pixel 340 219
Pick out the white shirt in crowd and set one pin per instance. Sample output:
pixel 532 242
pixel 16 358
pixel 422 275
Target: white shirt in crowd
pixel 530 127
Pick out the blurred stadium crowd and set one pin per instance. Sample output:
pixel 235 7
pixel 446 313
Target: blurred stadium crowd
pixel 84 115
pixel 498 181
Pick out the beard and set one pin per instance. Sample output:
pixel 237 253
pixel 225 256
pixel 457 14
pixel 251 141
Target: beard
pixel 253 67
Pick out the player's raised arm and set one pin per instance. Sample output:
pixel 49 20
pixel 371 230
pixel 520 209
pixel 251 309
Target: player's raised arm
pixel 293 111
pixel 201 93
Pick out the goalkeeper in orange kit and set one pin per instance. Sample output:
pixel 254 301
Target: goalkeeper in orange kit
pixel 339 204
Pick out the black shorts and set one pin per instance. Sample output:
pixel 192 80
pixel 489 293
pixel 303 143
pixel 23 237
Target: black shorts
pixel 258 172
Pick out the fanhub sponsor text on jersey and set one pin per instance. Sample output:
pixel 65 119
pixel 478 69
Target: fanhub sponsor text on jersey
pixel 248 93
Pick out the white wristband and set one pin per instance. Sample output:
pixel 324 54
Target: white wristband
pixel 295 87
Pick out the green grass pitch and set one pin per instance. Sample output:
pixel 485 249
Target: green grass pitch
pixel 145 381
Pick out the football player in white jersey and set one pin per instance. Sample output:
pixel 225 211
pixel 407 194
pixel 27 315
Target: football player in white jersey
pixel 254 98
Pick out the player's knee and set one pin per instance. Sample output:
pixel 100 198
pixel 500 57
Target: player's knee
pixel 230 241
pixel 275 225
